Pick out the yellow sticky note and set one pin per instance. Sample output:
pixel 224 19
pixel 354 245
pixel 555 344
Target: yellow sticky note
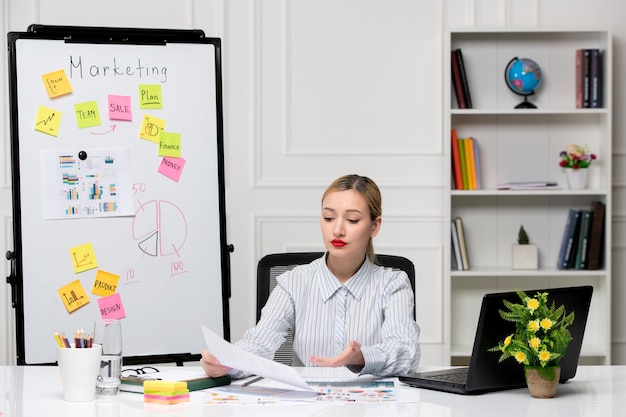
pixel 48 121
pixel 105 283
pixel 73 295
pixel 56 83
pixel 150 96
pixel 83 257
pixel 87 114
pixel 151 128
pixel 169 144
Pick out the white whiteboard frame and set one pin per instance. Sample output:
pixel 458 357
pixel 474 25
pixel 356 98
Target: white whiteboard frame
pixel 164 309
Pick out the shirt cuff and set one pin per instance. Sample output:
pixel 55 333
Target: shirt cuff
pixel 374 361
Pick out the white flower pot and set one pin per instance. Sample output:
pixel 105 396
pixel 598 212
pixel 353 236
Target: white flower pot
pixel 576 178
pixel 525 256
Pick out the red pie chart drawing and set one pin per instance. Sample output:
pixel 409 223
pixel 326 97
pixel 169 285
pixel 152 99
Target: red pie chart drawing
pixel 159 228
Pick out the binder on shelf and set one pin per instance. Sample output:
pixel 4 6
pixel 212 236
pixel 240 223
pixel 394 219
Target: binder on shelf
pixel 595 83
pixel 570 237
pixel 596 236
pixel 582 252
pixel 462 245
pixel 456 248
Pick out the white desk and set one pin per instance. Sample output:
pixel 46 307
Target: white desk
pixel 595 391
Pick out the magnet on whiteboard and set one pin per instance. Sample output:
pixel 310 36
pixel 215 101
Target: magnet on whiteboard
pixel 82 155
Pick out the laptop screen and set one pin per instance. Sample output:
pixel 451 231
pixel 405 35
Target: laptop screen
pixel 485 371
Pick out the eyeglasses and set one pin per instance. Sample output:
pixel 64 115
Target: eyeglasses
pixel 140 374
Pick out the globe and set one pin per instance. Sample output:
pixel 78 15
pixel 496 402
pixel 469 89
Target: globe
pixel 523 76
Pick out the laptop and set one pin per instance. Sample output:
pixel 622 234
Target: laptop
pixel 485 373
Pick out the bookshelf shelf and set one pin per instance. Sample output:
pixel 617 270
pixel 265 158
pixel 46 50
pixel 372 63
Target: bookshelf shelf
pixel 526 112
pixel 506 273
pixel 524 145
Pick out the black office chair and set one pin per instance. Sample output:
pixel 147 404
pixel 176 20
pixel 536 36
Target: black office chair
pixel 272 265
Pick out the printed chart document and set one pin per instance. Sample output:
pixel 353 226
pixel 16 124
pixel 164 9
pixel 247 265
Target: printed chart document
pixel 234 357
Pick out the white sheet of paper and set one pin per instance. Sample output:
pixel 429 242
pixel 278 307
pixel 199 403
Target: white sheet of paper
pixel 234 357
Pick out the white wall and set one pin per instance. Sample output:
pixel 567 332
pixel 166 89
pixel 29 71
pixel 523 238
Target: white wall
pixel 315 89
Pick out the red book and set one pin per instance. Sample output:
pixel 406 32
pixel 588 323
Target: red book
pixel 456 162
pixel 457 82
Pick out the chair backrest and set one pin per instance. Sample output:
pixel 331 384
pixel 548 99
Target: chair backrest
pixel 272 265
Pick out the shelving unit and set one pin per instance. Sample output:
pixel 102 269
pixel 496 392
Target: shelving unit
pixel 524 145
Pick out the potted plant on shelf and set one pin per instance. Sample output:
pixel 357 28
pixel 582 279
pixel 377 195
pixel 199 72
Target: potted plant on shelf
pixel 539 342
pixel 576 159
pixel 524 254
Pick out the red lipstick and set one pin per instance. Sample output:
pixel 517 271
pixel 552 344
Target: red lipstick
pixel 338 243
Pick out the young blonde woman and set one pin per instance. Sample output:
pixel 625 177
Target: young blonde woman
pixel 345 309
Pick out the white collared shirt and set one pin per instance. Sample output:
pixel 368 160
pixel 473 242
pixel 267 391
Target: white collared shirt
pixel 374 307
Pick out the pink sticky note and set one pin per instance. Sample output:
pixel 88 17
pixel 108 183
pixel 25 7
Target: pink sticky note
pixel 172 167
pixel 119 108
pixel 111 307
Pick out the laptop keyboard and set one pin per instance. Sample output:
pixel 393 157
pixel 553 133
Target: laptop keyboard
pixel 458 378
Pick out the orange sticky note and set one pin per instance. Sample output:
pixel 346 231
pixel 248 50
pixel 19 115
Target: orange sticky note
pixel 83 257
pixel 73 295
pixel 105 283
pixel 150 96
pixel 169 144
pixel 151 128
pixel 56 83
pixel 48 121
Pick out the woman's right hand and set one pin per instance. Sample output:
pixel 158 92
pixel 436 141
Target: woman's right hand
pixel 212 366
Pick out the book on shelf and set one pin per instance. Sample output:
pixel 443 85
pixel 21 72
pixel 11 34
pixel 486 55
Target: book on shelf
pixel 579 78
pixel 456 81
pixel 570 237
pixel 455 247
pixel 466 163
pixel 470 163
pixel 586 77
pixel 595 82
pixel 463 163
pixel 462 245
pixel 582 251
pixel 596 237
pixel 477 169
pixel 457 175
pixel 464 82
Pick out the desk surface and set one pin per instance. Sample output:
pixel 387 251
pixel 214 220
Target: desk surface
pixel 595 391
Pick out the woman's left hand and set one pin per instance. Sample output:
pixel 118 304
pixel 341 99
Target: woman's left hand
pixel 351 355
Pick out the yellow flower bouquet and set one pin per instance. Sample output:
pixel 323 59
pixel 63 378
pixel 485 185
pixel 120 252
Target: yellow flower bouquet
pixel 541 334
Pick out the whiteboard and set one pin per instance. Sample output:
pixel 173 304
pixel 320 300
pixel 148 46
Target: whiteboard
pixel 166 241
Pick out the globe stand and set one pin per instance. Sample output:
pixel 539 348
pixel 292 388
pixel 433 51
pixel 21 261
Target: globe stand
pixel 526 104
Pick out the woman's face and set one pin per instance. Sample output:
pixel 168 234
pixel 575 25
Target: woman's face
pixel 346 224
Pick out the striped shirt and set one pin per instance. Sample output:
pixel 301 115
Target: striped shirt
pixel 374 307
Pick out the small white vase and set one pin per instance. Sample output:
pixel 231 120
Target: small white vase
pixel 576 178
